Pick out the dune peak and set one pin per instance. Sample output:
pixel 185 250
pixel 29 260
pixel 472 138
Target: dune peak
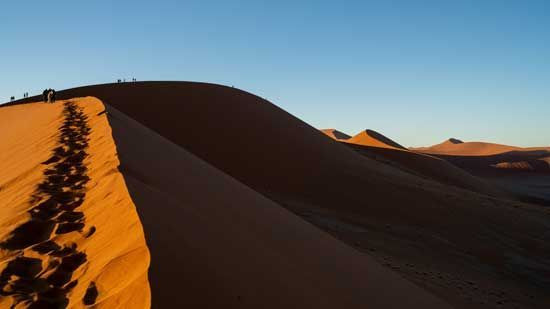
pixel 453 140
pixel 369 137
pixel 335 134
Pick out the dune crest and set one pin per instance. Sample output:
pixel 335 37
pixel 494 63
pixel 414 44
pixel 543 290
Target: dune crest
pixel 335 134
pixel 456 147
pixel 216 243
pixel 374 139
pixel 63 211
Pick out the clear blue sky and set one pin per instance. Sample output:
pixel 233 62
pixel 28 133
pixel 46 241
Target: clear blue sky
pixel 416 71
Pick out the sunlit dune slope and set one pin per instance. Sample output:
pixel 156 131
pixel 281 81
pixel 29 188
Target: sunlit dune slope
pixel 69 232
pixel 217 243
pixel 374 139
pixel 296 161
pixel 335 134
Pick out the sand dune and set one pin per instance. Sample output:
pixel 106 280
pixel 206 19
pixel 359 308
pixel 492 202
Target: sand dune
pixel 479 157
pixel 376 146
pixel 59 244
pixel 335 134
pixel 427 166
pixel 459 148
pixel 384 210
pixel 374 139
pixel 217 243
pixel 523 172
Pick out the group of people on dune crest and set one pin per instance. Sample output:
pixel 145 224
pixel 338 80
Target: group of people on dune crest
pixel 48 95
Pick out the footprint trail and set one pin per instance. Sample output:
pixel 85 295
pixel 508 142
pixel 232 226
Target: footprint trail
pixel 44 279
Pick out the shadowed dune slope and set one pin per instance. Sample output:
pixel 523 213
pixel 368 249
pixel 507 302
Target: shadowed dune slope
pixel 215 243
pixel 374 139
pixel 522 172
pixel 374 145
pixel 335 134
pixel 426 166
pixel 295 163
pixel 69 232
pixel 252 139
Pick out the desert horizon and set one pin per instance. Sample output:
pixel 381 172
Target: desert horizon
pixel 153 196
pixel 275 154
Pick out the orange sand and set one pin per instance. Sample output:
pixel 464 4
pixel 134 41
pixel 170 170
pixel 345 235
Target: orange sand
pixel 335 134
pixel 216 243
pixel 116 255
pixel 374 139
pixel 458 148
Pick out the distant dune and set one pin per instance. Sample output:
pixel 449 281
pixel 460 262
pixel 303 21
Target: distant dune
pixel 374 139
pixel 428 166
pixel 376 146
pixel 459 148
pixel 335 134
pixel 213 210
pixel 523 172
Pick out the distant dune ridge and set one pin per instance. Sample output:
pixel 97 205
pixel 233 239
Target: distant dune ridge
pixel 524 172
pixel 456 147
pixel 67 234
pixel 482 155
pixel 222 244
pixel 225 219
pixel 335 134
pixel 372 144
pixel 375 139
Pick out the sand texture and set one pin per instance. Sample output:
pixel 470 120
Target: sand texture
pixel 71 236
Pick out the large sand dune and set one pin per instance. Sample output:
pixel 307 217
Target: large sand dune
pixel 523 172
pixel 215 243
pixel 335 134
pixel 376 146
pixel 385 210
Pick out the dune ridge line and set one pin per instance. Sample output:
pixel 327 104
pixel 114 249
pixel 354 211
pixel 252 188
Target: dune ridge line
pixel 75 240
pixel 57 199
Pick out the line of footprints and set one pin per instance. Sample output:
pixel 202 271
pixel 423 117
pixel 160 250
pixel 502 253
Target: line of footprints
pixel 28 280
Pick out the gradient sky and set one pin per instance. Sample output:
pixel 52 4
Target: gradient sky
pixel 417 71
